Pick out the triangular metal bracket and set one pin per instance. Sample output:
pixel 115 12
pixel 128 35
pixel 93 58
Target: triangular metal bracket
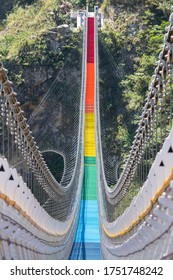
pixel 170 150
pixel 2 168
pixel 11 178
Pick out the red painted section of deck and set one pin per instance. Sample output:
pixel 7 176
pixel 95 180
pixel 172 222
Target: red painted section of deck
pixel 90 43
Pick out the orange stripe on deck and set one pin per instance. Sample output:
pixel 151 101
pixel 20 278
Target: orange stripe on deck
pixel 89 109
pixel 90 86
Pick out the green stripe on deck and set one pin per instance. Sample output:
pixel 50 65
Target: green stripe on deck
pixel 89 191
pixel 89 160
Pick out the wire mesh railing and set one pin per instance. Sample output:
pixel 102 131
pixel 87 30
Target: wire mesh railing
pixel 125 208
pixel 154 127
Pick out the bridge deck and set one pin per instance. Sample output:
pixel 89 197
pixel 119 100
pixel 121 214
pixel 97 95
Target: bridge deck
pixel 87 241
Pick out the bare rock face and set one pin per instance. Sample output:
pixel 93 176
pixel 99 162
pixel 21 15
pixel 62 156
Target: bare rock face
pixel 65 7
pixel 64 29
pixel 56 37
pixel 37 78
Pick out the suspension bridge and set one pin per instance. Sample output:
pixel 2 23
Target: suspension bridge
pixel 84 216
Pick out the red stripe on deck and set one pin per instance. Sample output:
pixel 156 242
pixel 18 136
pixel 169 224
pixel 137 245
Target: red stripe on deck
pixel 90 43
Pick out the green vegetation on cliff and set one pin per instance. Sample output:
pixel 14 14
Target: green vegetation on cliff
pixel 133 34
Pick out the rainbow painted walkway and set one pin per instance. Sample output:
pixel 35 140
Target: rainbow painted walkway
pixel 87 240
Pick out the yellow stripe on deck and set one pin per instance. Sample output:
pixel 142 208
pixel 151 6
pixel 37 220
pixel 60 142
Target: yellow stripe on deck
pixel 90 148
